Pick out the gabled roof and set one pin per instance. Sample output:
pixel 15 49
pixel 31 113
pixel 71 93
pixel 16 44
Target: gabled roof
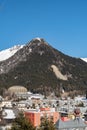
pixel 76 123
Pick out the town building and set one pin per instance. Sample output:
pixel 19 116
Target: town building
pixel 36 116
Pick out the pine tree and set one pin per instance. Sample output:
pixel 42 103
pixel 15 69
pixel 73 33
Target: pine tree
pixel 47 124
pixel 22 123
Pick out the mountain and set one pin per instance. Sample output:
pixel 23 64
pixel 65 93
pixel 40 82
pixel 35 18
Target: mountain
pixel 84 59
pixel 41 68
pixel 5 54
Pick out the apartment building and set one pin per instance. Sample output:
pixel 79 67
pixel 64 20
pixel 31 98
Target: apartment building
pixel 36 116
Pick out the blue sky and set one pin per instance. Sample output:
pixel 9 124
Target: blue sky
pixel 62 23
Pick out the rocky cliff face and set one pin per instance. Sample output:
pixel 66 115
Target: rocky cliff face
pixel 41 68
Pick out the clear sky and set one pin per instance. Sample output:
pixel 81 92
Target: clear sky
pixel 62 23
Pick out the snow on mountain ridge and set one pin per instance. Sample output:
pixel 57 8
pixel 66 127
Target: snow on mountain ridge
pixel 84 59
pixel 7 53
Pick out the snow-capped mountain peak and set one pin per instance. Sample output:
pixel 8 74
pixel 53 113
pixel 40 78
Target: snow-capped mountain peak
pixel 37 38
pixel 7 53
pixel 37 41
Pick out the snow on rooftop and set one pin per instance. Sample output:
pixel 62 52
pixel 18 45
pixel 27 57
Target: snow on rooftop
pixel 9 114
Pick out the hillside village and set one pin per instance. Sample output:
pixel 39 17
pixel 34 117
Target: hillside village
pixel 37 106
